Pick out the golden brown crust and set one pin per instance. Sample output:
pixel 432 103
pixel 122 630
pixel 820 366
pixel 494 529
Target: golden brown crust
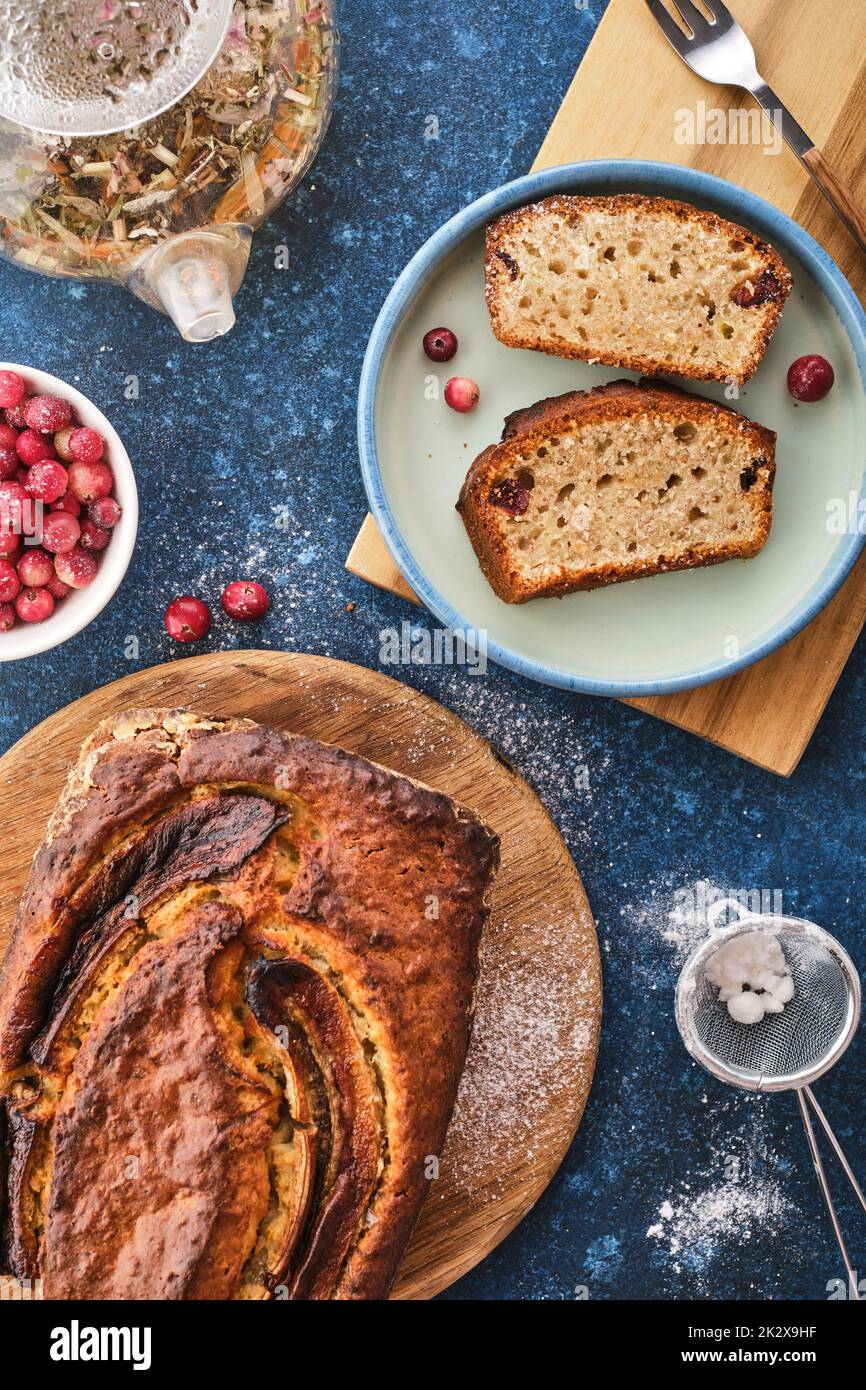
pixel 181 839
pixel 610 403
pixel 500 267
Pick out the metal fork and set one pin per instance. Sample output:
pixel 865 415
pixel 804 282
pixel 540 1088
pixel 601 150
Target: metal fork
pixel 718 50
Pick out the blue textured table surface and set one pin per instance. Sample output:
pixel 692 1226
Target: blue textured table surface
pixel 675 1187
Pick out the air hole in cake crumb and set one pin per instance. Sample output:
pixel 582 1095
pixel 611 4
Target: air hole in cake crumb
pixel 610 253
pixel 582 333
pixel 675 270
pixel 631 547
pixel 582 274
pixel 736 245
pixel 634 248
pixel 726 330
pixel 652 277
pixel 695 514
pixel 528 246
pixel 541 452
pixel 685 432
pixel 739 265
pixel 525 479
pixel 525 302
pixel 556 266
pixel 564 492
pixel 605 480
pixel 641 497
pixel 673 480
pixel 560 521
pixel 699 472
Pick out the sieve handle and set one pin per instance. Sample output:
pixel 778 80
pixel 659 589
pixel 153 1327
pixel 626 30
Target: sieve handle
pixel 822 1177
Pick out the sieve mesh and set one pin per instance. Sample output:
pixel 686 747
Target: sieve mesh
pixel 90 67
pixel 789 1047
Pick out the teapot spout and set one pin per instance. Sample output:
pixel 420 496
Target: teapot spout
pixel 193 278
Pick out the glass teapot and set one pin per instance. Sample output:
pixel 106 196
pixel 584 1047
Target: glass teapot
pixel 141 141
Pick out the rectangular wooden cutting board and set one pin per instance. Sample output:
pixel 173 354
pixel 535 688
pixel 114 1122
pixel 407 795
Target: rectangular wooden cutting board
pixel 622 104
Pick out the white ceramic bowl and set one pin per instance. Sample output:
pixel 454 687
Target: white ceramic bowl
pixel 80 606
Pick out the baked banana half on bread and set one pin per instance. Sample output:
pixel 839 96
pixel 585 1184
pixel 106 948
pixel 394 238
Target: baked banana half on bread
pixel 233 1016
pixel 621 482
pixel 649 284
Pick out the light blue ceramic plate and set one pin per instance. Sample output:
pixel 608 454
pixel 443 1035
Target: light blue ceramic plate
pixel 655 635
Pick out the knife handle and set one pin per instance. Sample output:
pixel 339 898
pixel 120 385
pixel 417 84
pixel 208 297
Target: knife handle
pixel 838 194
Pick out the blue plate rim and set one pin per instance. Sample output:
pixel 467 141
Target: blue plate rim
pixel 672 179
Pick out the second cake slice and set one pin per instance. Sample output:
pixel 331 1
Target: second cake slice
pixel 623 481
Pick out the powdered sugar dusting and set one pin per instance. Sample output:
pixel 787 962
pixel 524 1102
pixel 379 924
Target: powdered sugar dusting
pixel 532 1042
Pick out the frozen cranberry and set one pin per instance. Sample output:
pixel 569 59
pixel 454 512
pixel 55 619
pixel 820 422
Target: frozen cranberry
pixel 245 600
pixel 35 568
pixel 88 481
pixel 13 500
pixel 105 512
pixel 34 605
pixel 61 443
pixel 10 544
pixel 75 568
pixel 47 480
pixel 85 445
pixel 67 503
pixel 47 413
pixel 440 344
pixel 510 496
pixel 94 537
pixel 7 617
pixel 187 619
pixel 810 378
pixel 15 414
pixel 33 447
pixel 9 581
pixel 11 389
pixel 56 586
pixel 60 532
pixel 461 393
pixel 8 463
pixel 8 435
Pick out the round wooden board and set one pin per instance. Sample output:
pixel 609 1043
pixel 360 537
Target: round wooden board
pixel 539 1001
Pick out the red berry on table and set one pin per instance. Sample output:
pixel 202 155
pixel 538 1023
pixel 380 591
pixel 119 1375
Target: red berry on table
pixel 35 568
pixel 9 463
pixel 11 389
pixel 810 378
pixel 461 394
pixel 75 568
pixel 94 537
pixel 47 413
pixel 56 587
pixel 105 512
pixel 32 447
pixel 60 533
pixel 9 581
pixel 85 445
pixel 67 503
pixel 34 605
pixel 7 617
pixel 46 480
pixel 245 600
pixel 89 481
pixel 187 619
pixel 440 344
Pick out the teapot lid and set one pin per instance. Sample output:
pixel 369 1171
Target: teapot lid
pixel 92 67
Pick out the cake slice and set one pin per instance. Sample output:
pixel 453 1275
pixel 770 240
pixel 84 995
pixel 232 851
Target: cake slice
pixel 648 284
pixel 620 482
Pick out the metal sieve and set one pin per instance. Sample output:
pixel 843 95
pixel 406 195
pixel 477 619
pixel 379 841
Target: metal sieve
pixel 785 1051
pixel 92 67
